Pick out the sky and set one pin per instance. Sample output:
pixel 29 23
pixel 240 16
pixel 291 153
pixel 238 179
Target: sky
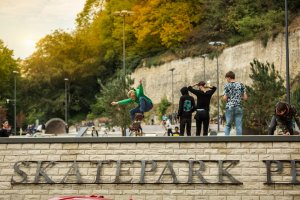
pixel 24 22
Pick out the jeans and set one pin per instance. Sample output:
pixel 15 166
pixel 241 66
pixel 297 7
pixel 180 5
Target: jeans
pixel 231 114
pixel 144 106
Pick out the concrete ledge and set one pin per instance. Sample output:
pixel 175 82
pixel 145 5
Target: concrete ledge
pixel 254 138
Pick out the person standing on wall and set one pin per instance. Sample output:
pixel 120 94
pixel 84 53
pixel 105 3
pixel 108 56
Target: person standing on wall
pixel 204 94
pixel 186 108
pixel 234 94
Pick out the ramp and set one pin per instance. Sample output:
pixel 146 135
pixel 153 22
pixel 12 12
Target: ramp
pixel 82 131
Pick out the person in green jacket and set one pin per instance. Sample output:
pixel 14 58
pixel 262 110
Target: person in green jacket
pixel 136 95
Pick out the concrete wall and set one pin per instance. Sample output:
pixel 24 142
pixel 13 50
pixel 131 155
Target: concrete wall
pixel 250 170
pixel 158 81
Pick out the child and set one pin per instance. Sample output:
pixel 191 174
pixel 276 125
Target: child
pixel 176 132
pixel 169 127
pixel 186 108
pixel 137 96
pixel 94 131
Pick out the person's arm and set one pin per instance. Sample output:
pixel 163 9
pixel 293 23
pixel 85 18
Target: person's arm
pixel 225 98
pixel 194 105
pixel 211 90
pixel 244 96
pixel 122 102
pixel 297 118
pixel 180 108
pixel 140 90
pixel 192 90
pixel 125 101
pixel 225 95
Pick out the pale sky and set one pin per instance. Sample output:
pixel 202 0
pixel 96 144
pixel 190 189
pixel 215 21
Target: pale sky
pixel 24 22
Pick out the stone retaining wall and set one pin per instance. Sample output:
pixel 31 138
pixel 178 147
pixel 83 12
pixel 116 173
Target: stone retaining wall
pixel 250 169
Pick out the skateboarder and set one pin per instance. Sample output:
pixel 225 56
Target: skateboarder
pixel 137 95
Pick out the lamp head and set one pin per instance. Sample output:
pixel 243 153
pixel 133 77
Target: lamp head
pixel 216 43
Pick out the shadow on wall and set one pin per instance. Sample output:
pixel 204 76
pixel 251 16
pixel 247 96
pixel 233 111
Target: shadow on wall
pixel 55 126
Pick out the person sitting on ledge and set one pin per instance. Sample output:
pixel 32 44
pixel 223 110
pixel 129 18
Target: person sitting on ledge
pixel 283 117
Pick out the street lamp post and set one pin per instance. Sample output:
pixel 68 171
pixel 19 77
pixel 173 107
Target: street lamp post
pixel 172 71
pixel 287 54
pixel 15 101
pixel 123 14
pixel 204 56
pixel 218 44
pixel 66 99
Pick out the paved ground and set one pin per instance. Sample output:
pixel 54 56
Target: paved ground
pixel 149 130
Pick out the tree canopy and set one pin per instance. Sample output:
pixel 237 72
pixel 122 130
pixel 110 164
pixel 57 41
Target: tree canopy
pixel 157 27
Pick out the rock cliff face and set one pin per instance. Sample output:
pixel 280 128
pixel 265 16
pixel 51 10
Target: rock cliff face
pixel 158 79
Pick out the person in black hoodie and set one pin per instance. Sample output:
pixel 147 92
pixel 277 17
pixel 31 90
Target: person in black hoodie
pixel 186 108
pixel 203 100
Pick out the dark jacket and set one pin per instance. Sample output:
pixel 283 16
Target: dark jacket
pixel 203 98
pixel 285 120
pixel 186 104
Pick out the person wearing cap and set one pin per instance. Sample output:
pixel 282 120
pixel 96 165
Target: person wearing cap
pixel 283 117
pixel 234 94
pixel 137 96
pixel 204 94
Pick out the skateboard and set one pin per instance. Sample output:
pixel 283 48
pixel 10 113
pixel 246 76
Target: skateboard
pixel 135 128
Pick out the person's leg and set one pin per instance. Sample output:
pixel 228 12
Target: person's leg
pixel 238 112
pixel 188 127
pixel 145 105
pixel 133 112
pixel 169 132
pixel 272 126
pixel 205 124
pixel 198 127
pixel 181 126
pixel 229 118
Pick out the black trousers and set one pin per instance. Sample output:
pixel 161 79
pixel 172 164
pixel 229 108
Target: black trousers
pixel 185 123
pixel 202 117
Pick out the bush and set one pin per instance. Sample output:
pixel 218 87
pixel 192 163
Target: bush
pixel 163 106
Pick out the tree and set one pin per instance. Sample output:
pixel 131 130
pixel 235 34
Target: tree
pixel 60 55
pixel 165 22
pixel 163 106
pixel 113 91
pixel 266 89
pixel 295 92
pixel 7 65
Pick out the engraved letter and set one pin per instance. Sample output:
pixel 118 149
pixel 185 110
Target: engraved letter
pixel 143 169
pixel 20 172
pixel 196 172
pixel 279 169
pixel 169 165
pixel 224 172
